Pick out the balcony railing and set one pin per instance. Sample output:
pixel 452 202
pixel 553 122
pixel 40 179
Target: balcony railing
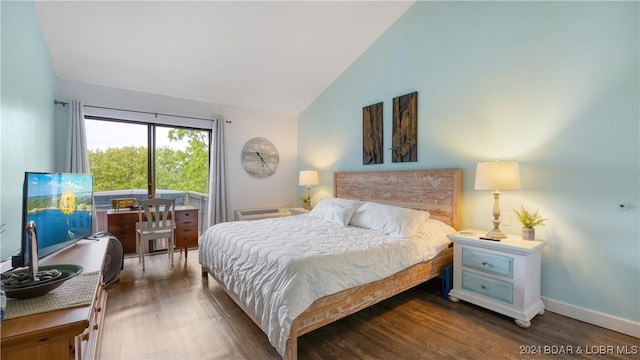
pixel 102 203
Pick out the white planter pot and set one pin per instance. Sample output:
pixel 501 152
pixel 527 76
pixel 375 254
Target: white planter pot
pixel 528 234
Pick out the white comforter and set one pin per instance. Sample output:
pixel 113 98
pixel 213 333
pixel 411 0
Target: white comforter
pixel 278 267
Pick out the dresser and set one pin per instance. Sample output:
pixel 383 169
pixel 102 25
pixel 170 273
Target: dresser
pixel 72 333
pixel 503 276
pixel 122 224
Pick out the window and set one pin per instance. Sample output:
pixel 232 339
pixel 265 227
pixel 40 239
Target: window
pixel 118 156
pixel 140 160
pixel 182 162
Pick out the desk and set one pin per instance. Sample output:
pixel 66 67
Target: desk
pixel 63 334
pixel 122 224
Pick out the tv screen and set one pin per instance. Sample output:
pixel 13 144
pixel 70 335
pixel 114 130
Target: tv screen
pixel 61 205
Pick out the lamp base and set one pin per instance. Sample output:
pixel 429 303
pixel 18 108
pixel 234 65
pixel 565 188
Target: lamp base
pixel 496 234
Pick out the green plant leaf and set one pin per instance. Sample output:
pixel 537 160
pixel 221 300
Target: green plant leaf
pixel 529 219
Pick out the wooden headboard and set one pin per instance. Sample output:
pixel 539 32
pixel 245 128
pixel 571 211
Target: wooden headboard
pixel 437 191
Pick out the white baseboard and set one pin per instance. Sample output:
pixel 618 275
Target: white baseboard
pixel 607 321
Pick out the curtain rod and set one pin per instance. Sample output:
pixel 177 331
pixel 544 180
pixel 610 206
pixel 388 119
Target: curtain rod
pixel 56 102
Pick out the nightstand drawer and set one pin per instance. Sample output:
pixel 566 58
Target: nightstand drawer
pixel 487 286
pixel 487 262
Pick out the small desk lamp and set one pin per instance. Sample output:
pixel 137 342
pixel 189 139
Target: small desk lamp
pixel 308 178
pixel 496 176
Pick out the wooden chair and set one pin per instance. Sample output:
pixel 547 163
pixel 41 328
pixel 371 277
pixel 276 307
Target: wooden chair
pixel 157 223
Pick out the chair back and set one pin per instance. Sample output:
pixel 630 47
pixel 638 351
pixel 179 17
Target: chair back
pixel 158 212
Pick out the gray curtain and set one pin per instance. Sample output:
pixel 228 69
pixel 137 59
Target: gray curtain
pixel 78 153
pixel 217 177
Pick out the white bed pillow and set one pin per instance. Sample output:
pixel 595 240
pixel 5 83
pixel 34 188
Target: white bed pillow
pixel 337 211
pixel 435 232
pixel 388 219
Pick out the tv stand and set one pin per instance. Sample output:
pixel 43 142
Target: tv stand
pixel 72 333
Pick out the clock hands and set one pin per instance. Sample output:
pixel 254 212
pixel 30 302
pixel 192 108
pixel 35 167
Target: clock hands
pixel 264 163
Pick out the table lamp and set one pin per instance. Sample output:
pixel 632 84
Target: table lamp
pixel 496 176
pixel 308 178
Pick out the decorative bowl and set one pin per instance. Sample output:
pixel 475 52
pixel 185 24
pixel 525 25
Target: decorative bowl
pixel 41 287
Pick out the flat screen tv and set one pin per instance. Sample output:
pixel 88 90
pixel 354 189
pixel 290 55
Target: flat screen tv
pixel 61 205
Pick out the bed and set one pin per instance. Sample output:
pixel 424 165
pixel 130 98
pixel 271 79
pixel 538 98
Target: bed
pixel 437 192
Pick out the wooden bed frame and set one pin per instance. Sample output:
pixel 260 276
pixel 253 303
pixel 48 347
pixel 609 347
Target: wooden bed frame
pixel 437 191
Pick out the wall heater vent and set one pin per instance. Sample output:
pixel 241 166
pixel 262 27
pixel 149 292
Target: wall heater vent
pixel 257 214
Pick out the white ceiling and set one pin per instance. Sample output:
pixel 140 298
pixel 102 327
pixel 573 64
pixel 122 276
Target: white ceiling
pixel 274 56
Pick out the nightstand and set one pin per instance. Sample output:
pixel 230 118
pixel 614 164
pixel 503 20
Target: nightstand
pixel 298 211
pixel 502 276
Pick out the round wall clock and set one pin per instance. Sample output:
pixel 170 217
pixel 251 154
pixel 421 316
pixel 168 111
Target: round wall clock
pixel 260 158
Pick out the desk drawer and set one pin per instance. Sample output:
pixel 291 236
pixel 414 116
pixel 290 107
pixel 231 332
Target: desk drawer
pixel 487 262
pixel 122 219
pixel 187 216
pixel 487 286
pixel 188 231
pixel 186 235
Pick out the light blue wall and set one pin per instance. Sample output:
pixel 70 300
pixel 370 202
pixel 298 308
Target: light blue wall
pixel 554 85
pixel 27 124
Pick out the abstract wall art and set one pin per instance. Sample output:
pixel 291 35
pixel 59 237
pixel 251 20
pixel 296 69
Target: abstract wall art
pixel 404 142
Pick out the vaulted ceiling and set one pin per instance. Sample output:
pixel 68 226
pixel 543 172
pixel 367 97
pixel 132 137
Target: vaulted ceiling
pixel 274 56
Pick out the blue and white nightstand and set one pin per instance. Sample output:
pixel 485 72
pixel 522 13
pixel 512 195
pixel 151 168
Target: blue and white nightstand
pixel 502 276
pixel 298 211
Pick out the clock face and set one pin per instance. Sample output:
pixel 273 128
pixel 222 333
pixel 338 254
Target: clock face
pixel 260 158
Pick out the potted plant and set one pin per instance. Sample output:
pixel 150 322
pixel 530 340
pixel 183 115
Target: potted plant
pixel 305 202
pixel 529 221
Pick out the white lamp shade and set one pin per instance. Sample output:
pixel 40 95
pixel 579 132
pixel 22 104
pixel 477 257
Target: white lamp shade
pixel 308 177
pixel 498 175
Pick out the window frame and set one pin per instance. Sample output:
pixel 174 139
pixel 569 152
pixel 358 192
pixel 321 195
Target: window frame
pixel 151 142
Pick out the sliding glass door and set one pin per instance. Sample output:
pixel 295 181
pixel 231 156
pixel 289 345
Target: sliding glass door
pixel 182 159
pixel 142 160
pixel 118 159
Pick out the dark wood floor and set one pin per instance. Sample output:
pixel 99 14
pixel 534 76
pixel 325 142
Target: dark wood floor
pixel 174 313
